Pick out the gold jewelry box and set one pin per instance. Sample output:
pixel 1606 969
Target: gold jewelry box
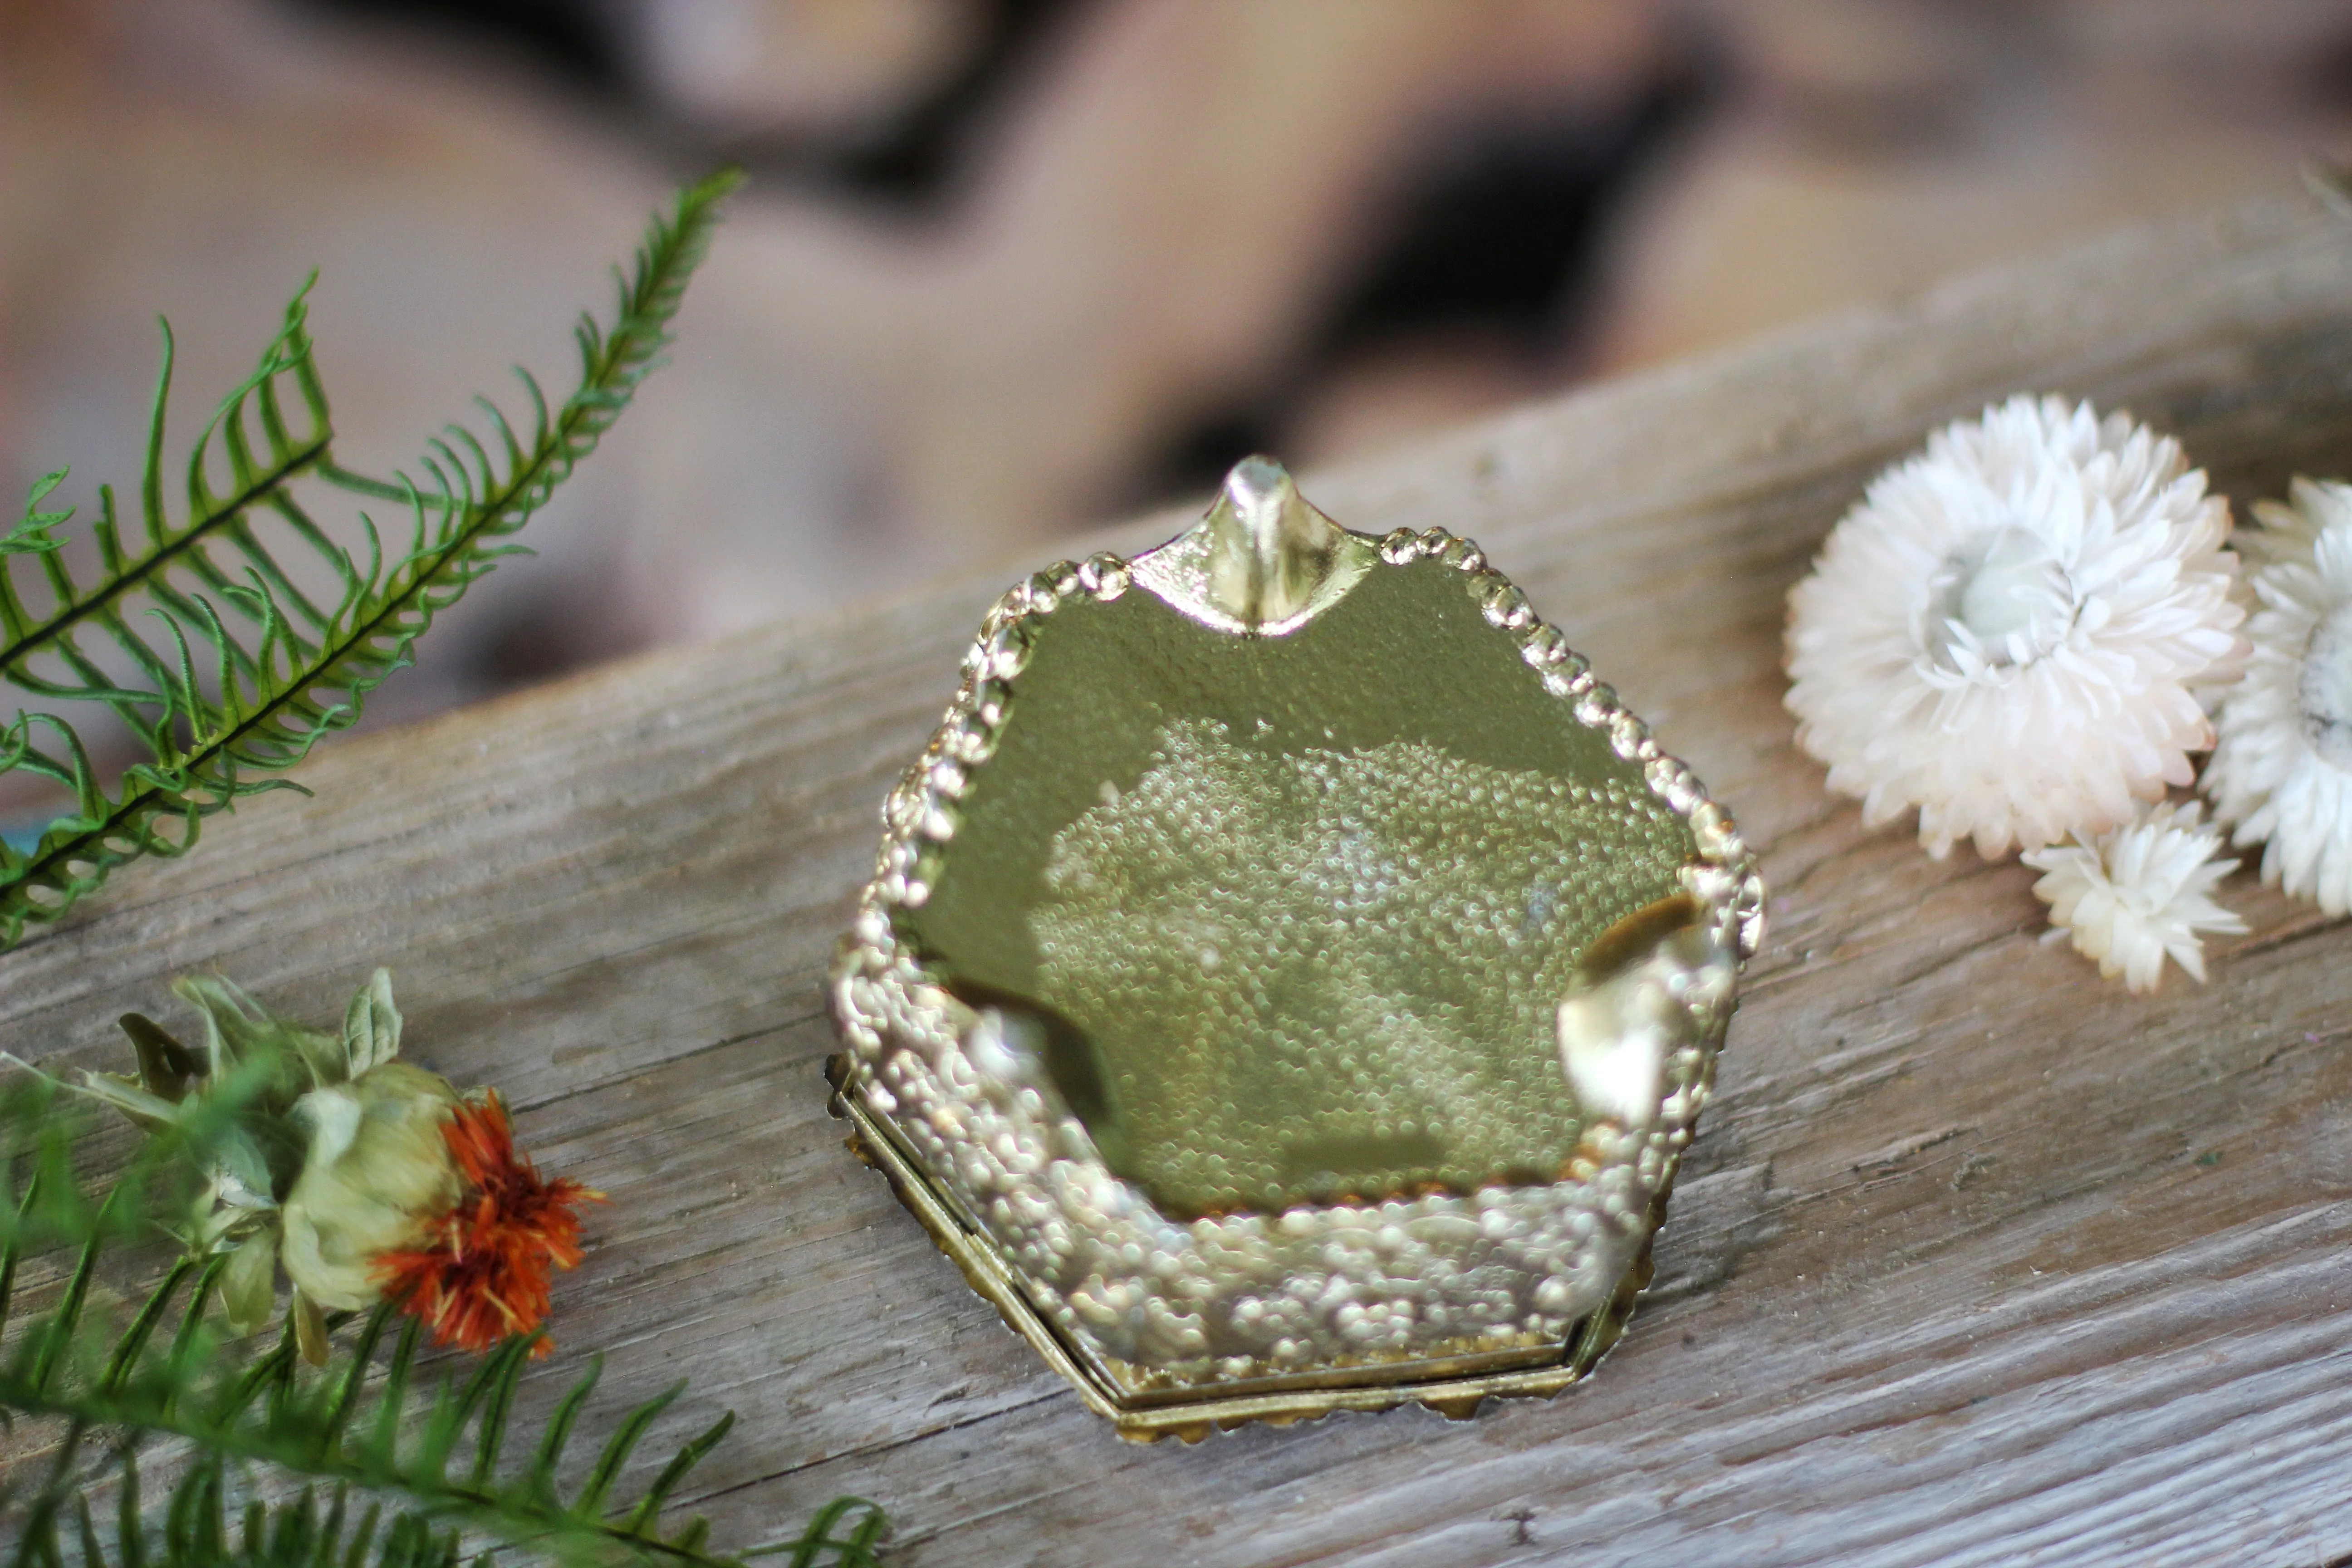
pixel 1289 979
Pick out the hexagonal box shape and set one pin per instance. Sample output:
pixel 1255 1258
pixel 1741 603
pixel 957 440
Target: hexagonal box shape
pixel 1290 978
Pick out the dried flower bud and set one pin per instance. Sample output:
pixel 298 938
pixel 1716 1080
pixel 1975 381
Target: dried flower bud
pixel 377 1175
pixel 361 1174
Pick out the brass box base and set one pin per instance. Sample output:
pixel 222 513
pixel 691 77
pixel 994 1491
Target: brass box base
pixel 1191 1413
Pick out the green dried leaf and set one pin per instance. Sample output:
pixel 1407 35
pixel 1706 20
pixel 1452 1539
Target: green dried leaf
pixel 371 1026
pixel 165 1065
pixel 309 1328
pixel 249 1288
pixel 152 1113
pixel 236 1150
pixel 238 1030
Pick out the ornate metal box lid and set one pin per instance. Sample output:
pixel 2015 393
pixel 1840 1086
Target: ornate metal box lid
pixel 1290 978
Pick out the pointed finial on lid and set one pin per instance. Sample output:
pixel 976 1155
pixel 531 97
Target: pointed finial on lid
pixel 1262 561
pixel 1269 549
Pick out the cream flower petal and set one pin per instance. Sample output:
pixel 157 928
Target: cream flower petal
pixel 2282 770
pixel 2138 895
pixel 2017 631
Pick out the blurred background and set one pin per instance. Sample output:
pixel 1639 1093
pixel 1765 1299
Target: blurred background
pixel 1009 268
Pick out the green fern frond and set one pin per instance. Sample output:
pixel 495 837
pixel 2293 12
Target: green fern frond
pixel 395 1468
pixel 204 1529
pixel 240 672
pixel 211 519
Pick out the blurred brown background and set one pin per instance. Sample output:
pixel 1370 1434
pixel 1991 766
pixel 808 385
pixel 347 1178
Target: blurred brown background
pixel 1010 267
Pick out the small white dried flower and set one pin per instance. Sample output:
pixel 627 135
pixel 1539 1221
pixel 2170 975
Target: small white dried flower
pixel 2015 631
pixel 2283 768
pixel 2137 895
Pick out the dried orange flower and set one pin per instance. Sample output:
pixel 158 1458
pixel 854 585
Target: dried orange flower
pixel 482 1271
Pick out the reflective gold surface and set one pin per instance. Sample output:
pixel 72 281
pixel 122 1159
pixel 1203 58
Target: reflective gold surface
pixel 1287 919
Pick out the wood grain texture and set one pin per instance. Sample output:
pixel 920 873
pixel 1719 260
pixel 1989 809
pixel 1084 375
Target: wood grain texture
pixel 1977 1260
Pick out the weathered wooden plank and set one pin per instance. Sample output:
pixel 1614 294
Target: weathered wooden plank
pixel 1977 1260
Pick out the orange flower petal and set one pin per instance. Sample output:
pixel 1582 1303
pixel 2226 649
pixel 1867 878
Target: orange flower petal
pixel 483 1273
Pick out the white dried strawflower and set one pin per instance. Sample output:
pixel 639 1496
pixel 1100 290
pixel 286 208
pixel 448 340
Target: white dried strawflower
pixel 2016 630
pixel 2282 770
pixel 2137 895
